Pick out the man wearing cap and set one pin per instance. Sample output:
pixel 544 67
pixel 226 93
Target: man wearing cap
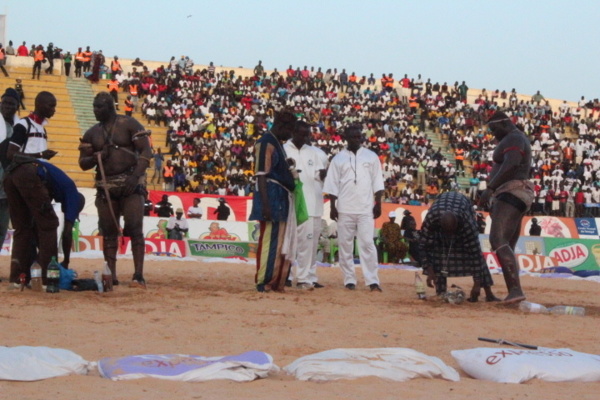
pixel 512 194
pixel 391 240
pixel 223 210
pixel 407 219
pixel 177 225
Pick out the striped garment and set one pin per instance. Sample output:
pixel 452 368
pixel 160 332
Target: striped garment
pixel 272 269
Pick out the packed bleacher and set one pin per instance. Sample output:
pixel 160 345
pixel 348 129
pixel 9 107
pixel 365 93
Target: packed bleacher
pixel 214 118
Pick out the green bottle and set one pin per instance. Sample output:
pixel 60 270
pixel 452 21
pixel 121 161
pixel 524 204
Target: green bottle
pixel 53 276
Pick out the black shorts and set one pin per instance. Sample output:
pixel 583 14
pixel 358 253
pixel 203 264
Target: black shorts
pixel 513 201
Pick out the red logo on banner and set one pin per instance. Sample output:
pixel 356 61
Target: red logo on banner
pixel 89 243
pixel 571 256
pixel 527 262
pixel 161 247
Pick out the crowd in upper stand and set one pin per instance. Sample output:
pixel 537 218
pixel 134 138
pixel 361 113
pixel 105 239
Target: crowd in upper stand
pixel 214 118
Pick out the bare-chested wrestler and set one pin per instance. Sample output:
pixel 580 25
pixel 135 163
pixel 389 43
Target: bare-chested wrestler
pixel 119 149
pixel 512 194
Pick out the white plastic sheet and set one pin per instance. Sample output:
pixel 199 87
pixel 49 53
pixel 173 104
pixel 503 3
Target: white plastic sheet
pixel 26 363
pixel 514 365
pixel 397 364
pixel 243 367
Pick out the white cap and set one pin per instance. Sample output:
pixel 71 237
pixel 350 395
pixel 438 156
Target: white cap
pixel 392 214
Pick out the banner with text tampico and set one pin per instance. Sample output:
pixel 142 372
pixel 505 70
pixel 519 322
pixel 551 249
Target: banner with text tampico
pixel 219 248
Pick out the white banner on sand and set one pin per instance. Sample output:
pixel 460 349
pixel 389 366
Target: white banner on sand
pixel 515 365
pixel 397 364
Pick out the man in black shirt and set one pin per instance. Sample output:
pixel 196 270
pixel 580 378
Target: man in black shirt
pixel 535 229
pixel 223 210
pixel 164 208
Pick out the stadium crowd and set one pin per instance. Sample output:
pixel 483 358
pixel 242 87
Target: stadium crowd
pixel 214 118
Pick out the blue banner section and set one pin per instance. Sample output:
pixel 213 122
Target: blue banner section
pixel 586 226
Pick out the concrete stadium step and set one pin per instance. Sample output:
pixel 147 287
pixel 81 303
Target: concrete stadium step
pixel 62 128
pixel 62 118
pixel 61 125
pixel 70 151
pixel 25 72
pixel 438 142
pixel 82 178
pixel 65 143
pixel 83 97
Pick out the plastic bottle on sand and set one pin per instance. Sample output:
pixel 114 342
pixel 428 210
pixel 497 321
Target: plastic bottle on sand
pixel 98 279
pixel 567 310
pixel 36 277
pixel 107 278
pixel 420 287
pixel 533 308
pixel 53 276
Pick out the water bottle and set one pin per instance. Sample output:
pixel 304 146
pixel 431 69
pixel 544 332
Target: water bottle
pixel 533 308
pixel 53 276
pixel 107 278
pixel 98 280
pixel 419 287
pixel 36 277
pixel 567 310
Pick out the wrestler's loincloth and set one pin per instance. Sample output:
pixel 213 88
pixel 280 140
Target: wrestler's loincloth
pixel 115 185
pixel 518 193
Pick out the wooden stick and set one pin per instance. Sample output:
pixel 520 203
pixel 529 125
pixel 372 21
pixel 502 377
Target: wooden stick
pixel 502 341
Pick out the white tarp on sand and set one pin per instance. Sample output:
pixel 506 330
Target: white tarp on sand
pixel 26 363
pixel 243 367
pixel 508 365
pixel 397 364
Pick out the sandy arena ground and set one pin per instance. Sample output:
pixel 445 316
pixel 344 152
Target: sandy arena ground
pixel 211 309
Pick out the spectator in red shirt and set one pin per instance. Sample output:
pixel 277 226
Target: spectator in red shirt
pixel 23 51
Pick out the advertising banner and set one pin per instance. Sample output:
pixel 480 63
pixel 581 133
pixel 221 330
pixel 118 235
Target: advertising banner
pixel 551 226
pixel 527 262
pixel 533 245
pixel 239 205
pixel 159 247
pixel 580 254
pixel 85 243
pixel 156 228
pixel 222 249
pixel 586 228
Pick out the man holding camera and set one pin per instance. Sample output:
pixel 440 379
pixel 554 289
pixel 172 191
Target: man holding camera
pixel 177 226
